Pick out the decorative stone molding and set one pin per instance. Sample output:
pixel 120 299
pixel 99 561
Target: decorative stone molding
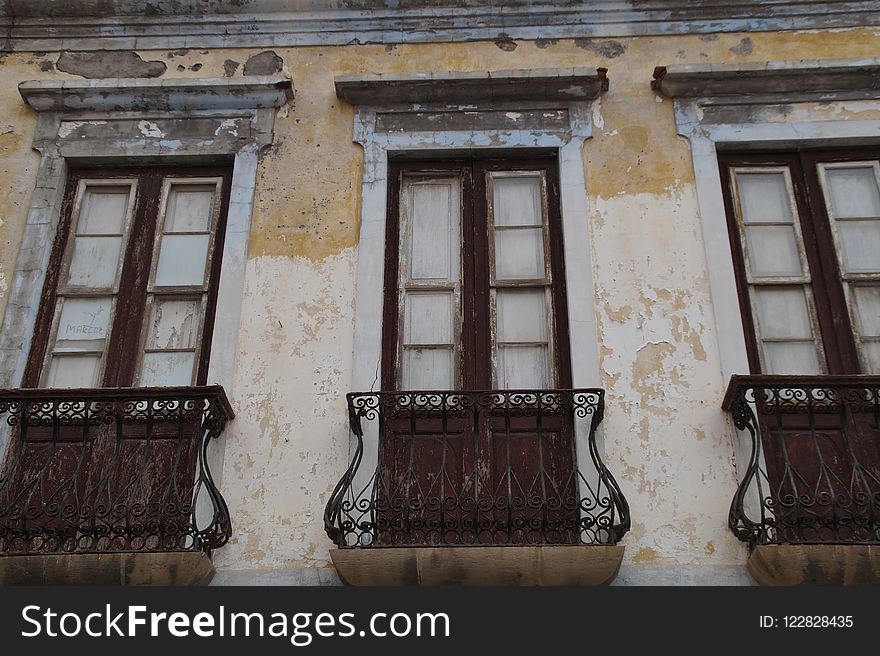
pixel 157 95
pixel 477 87
pixel 121 24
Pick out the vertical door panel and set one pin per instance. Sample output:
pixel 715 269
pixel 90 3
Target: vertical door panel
pixel 851 192
pixel 776 274
pixel 429 283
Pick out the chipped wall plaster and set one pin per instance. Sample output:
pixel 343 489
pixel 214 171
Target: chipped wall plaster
pixel 663 429
pixel 289 442
pixel 109 63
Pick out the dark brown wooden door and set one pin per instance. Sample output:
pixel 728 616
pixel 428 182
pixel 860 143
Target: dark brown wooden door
pixel 805 234
pixel 475 300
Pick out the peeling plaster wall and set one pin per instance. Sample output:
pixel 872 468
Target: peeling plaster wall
pixel 289 442
pixel 18 162
pixel 108 64
pixel 664 436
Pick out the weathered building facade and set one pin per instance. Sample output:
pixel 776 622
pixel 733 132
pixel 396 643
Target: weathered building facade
pixel 298 200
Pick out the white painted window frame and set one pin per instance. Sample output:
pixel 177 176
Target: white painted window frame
pixel 116 120
pixel 773 88
pixel 706 140
pixel 378 146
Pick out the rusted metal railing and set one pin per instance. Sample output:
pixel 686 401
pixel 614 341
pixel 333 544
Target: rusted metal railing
pixel 108 470
pixel 813 467
pixel 497 467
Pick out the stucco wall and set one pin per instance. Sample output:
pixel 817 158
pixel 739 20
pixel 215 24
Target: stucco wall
pixel 665 437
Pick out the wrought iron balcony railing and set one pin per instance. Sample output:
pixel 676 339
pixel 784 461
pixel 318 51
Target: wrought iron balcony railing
pixel 111 470
pixel 813 472
pixel 476 468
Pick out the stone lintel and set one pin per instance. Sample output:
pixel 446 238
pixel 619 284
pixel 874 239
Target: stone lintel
pixel 472 88
pixel 823 79
pixel 161 94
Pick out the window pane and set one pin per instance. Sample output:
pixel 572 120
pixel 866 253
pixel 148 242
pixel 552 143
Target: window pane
pixel 517 201
pixel 83 325
pixel 434 231
pixel 867 300
pixel 772 251
pixel 189 208
pixel 519 254
pixel 521 315
pixel 94 262
pixel 428 318
pixel 790 358
pixel 182 260
pixel 783 313
pixel 167 369
pixel 427 369
pixel 103 210
pixel 173 324
pixel 854 191
pixel 73 371
pixel 522 367
pixel 763 197
pixel 871 352
pixel 860 242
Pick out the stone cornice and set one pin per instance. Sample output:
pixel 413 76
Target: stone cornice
pixel 166 94
pixel 806 79
pixel 476 88
pixel 261 23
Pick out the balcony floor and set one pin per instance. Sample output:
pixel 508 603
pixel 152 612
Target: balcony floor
pixel 540 565
pixel 174 568
pixel 815 564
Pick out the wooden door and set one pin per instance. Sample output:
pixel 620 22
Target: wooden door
pixel 475 301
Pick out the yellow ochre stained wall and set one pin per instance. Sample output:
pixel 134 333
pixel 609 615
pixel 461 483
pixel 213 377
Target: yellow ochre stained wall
pixel 665 437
